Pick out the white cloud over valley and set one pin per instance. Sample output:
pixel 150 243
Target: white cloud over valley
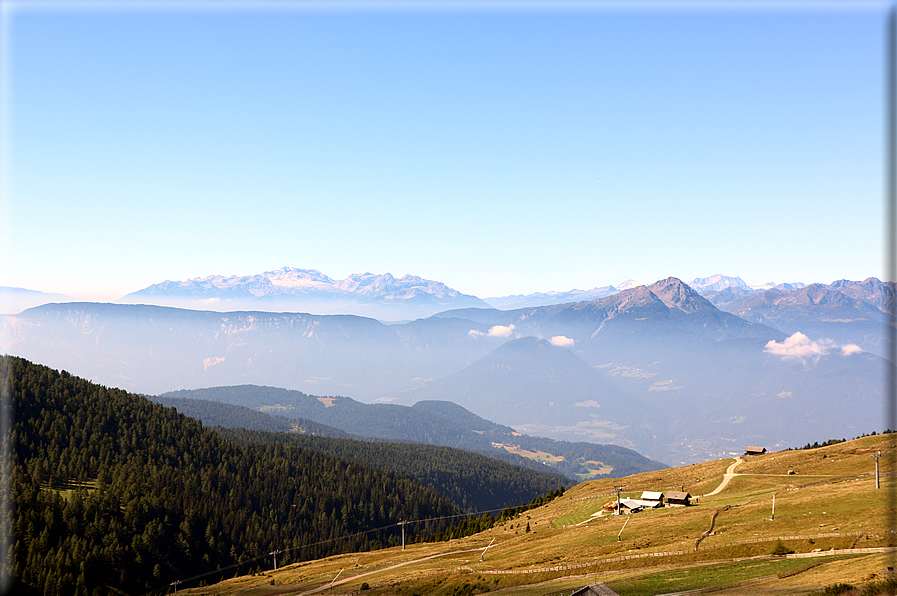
pixel 496 331
pixel 561 341
pixel 800 347
pixel 501 331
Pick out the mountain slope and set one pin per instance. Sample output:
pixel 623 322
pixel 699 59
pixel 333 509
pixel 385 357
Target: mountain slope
pixel 213 413
pixel 14 300
pixel 528 382
pixel 384 421
pixel 471 481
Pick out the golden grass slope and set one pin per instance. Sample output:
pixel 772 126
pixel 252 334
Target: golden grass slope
pixel 827 510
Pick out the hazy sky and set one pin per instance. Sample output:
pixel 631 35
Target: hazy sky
pixel 511 150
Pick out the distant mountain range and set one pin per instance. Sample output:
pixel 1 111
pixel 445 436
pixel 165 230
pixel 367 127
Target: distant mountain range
pixel 378 296
pixel 659 368
pixel 309 290
pixel 382 297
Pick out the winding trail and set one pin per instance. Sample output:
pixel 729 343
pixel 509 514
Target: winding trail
pixel 729 475
pixel 328 585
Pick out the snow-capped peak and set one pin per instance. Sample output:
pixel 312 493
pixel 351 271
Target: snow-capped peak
pixel 291 277
pixel 717 282
pixel 629 284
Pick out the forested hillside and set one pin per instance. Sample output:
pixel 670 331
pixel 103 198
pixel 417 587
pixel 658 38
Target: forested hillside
pixel 213 413
pixel 432 422
pixel 113 492
pixel 472 481
pixel 227 415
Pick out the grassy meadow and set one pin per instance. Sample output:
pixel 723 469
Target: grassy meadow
pixel 826 502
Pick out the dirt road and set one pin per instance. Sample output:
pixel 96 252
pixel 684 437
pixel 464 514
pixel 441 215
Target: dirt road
pixel 327 586
pixel 729 475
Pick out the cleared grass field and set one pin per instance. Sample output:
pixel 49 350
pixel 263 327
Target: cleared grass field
pixel 725 541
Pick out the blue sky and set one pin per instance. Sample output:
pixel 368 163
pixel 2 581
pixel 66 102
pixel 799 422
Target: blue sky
pixel 501 151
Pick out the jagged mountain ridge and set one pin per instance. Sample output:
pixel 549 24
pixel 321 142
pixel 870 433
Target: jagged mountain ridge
pixel 289 288
pixel 843 311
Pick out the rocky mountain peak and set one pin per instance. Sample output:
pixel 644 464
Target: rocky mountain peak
pixel 675 293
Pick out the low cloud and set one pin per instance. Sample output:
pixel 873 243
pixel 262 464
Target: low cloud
pixel 561 341
pixel 800 347
pixel 850 349
pixel 207 301
pixel 501 331
pixel 496 331
pixel 212 361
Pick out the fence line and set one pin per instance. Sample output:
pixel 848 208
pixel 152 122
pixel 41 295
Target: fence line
pixel 685 552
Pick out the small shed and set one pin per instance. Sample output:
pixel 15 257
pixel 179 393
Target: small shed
pixel 650 495
pixel 599 589
pixel 678 499
pixel 754 450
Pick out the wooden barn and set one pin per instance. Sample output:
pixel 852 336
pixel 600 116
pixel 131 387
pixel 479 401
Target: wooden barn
pixel 678 499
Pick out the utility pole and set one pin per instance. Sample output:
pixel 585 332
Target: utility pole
pixel 620 535
pixel 877 480
pixel 275 553
pixel 619 489
pixel 334 579
pixel 175 584
pixel 773 507
pixel 402 523
pixel 485 549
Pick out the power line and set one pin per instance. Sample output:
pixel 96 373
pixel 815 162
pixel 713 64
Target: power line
pixel 320 542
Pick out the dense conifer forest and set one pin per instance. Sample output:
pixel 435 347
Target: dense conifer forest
pixel 472 481
pixel 114 493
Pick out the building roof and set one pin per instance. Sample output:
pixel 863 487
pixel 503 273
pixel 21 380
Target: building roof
pixel 677 495
pixel 599 589
pixel 755 449
pixel 632 503
pixel 650 495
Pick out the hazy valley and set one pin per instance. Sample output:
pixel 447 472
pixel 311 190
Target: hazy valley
pixel 675 375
